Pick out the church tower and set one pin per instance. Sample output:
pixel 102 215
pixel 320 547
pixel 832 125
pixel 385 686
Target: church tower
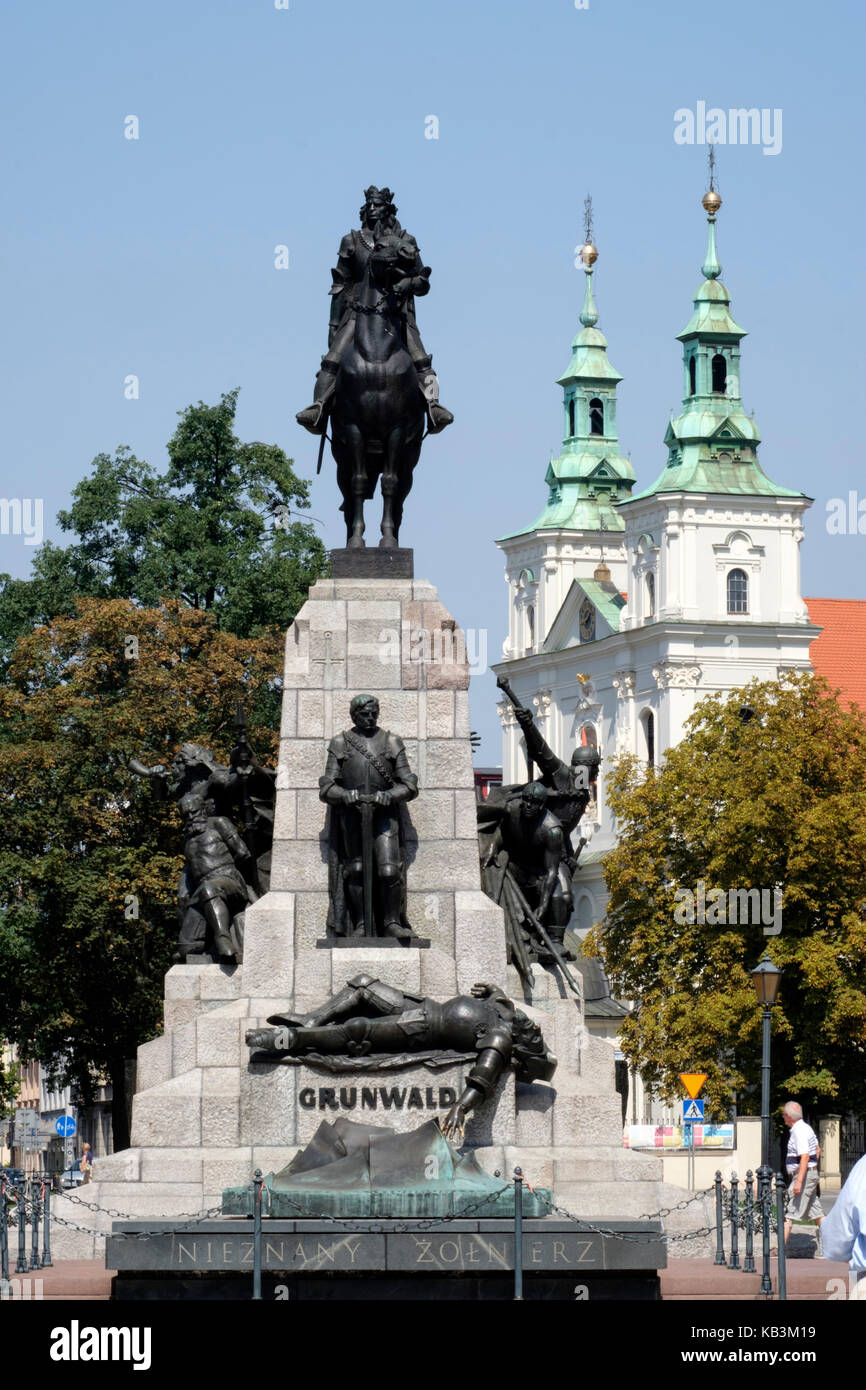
pixel 579 533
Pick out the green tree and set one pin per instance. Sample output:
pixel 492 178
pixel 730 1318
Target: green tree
pixel 214 530
pixel 772 801
pixel 205 565
pixel 89 858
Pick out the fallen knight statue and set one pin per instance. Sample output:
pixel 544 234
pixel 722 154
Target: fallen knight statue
pixel 369 1017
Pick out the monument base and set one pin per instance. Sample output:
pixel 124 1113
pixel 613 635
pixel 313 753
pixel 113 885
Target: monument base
pixel 373 563
pixel 404 1260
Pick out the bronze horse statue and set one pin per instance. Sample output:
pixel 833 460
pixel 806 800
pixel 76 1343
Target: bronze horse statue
pixel 378 410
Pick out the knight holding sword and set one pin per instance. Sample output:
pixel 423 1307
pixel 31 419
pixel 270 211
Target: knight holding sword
pixel 367 776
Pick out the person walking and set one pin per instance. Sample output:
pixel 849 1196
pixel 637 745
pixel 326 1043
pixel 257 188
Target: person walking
pixel 803 1203
pixel 86 1162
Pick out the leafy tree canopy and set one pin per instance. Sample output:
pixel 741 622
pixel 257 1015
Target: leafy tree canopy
pixel 772 801
pixel 202 532
pixel 89 857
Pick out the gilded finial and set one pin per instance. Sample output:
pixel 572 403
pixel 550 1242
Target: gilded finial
pixel 588 255
pixel 711 202
pixel 588 252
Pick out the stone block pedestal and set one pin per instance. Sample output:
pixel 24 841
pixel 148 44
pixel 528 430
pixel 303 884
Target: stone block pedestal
pixel 205 1116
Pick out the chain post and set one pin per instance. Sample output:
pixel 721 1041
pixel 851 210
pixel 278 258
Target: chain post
pixel 749 1261
pixel 21 1266
pixel 735 1228
pixel 35 1212
pixel 46 1227
pixel 518 1234
pixel 720 1229
pixel 258 1183
pixel 780 1237
pixel 4 1235
pixel 765 1197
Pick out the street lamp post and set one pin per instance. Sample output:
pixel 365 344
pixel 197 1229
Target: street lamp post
pixel 765 978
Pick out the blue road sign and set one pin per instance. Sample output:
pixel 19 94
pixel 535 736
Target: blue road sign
pixel 693 1112
pixel 66 1125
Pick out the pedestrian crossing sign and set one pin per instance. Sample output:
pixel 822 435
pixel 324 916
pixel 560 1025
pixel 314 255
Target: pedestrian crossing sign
pixel 693 1112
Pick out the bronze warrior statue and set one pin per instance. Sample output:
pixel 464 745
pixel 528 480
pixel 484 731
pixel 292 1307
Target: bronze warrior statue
pixel 528 857
pixel 369 1018
pixel 376 381
pixel 367 777
pixel 228 815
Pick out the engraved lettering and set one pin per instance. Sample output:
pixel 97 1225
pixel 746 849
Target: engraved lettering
pixel 394 1097
pixel 584 1257
pixel 307 1098
pixel 369 1097
pixel 352 1249
pixel 449 1259
pixel 228 1250
pixel 271 1252
pixel 415 1100
pixel 184 1250
pixel 447 1097
pixel 424 1257
pixel 248 1246
pixel 325 1252
pixel 328 1097
pixel 348 1097
pixel 535 1252
pixel 559 1252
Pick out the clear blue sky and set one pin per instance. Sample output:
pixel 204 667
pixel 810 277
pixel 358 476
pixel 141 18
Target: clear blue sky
pixel 261 126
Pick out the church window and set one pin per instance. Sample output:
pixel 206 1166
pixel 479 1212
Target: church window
pixel 650 595
pixel 693 375
pixel 738 592
pixel 596 416
pixel 649 733
pixel 720 374
pixel 530 628
pixel 571 416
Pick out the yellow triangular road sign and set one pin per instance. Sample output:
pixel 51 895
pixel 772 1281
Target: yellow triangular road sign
pixel 693 1081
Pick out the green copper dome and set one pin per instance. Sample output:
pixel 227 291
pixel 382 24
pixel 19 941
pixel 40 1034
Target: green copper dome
pixel 590 476
pixel 713 444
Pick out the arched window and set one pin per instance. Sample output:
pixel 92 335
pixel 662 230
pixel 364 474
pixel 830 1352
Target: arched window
pixel 738 592
pixel 571 416
pixel 720 374
pixel 596 416
pixel 650 595
pixel 649 733
pixel 693 375
pixel 530 628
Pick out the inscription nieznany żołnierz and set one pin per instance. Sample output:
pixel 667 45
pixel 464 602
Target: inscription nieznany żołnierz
pixel 404 1250
pixel 377 1097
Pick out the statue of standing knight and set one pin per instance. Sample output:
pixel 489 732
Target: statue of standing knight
pixel 378 216
pixel 367 778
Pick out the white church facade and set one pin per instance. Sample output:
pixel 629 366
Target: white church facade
pixel 626 607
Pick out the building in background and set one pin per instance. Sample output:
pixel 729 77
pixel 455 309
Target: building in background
pixel 626 608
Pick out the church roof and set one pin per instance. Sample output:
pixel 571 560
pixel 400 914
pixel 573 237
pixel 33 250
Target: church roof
pixel 839 653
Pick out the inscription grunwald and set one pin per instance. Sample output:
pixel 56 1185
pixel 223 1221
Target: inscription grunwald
pixel 370 1097
pixel 404 1250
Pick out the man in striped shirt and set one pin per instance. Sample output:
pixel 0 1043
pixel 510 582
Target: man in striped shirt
pixel 804 1151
